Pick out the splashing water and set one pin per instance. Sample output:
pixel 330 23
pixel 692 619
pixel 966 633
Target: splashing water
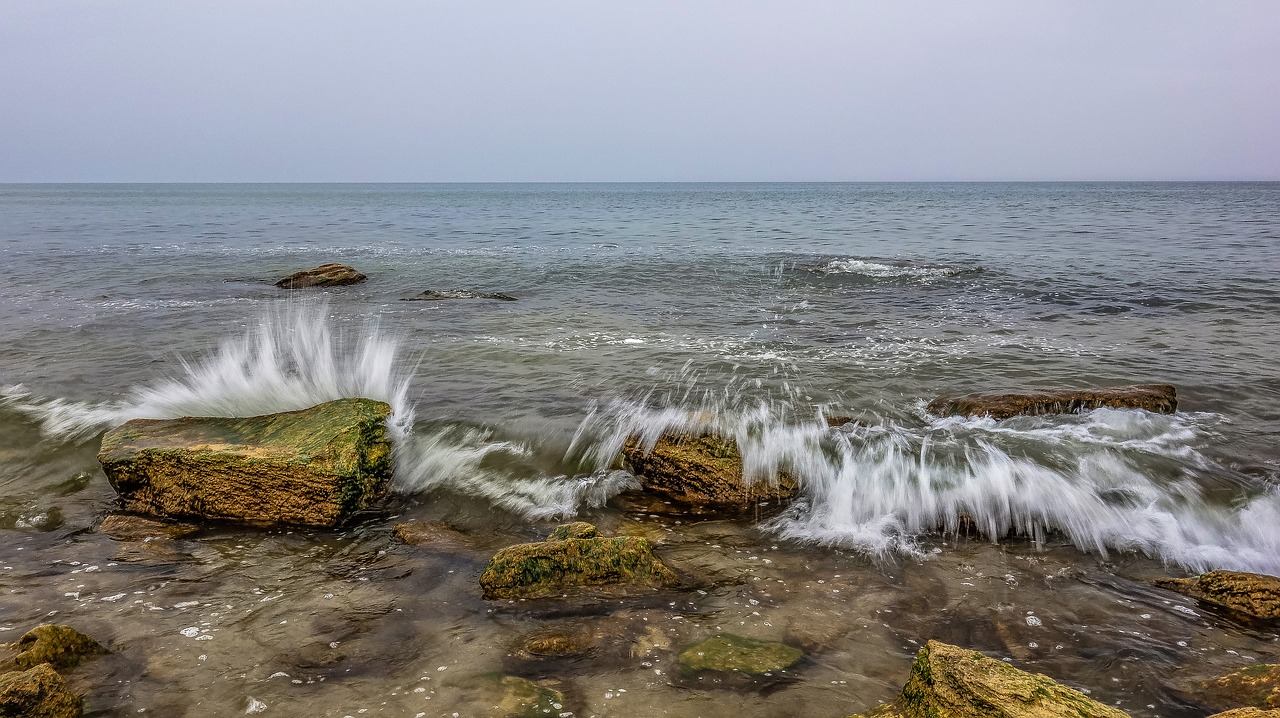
pixel 887 270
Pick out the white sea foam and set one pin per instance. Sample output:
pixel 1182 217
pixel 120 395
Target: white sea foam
pixel 888 270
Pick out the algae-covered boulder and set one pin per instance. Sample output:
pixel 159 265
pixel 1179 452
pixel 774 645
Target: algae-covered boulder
pixel 703 470
pixel 1255 686
pixel 1248 713
pixel 1159 398
pixel 727 652
pixel 332 274
pixel 59 646
pixel 37 692
pixel 574 556
pixel 950 681
pixel 1252 594
pixel 312 467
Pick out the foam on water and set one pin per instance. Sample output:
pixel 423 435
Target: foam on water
pixel 888 270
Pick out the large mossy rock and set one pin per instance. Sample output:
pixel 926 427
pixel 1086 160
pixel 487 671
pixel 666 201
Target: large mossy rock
pixel 727 653
pixel 313 467
pixel 59 646
pixel 1252 594
pixel 574 556
pixel 1248 713
pixel 703 470
pixel 326 275
pixel 37 692
pixel 1159 398
pixel 1255 686
pixel 957 683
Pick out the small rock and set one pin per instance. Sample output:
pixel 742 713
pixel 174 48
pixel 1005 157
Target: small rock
pixel 434 296
pixel 1252 594
pixel 326 275
pixel 430 533
pixel 727 652
pixel 38 692
pixel 950 681
pixel 525 699
pixel 581 558
pixel 558 644
pixel 703 470
pixel 59 646
pixel 1253 686
pixel 1159 398
pixel 126 527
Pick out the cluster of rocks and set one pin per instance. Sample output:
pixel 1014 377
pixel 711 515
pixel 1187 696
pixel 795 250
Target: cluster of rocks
pixel 334 274
pixel 32 684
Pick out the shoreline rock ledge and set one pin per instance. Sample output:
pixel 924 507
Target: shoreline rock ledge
pixel 332 274
pixel 703 470
pixel 1156 398
pixel 312 467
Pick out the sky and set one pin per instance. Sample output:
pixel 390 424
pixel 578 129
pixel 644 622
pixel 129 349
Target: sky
pixel 652 90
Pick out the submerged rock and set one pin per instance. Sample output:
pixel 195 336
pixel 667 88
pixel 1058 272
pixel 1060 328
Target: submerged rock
pixel 430 533
pixel 332 274
pixel 1253 686
pixel 59 646
pixel 703 470
pixel 1252 594
pixel 127 527
pixel 727 652
pixel 1159 398
pixel 523 698
pixel 38 692
pixel 950 681
pixel 311 467
pixel 432 295
pixel 574 556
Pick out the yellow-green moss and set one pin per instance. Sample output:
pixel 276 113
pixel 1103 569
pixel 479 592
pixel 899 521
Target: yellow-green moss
pixel 59 646
pixel 728 652
pixel 37 692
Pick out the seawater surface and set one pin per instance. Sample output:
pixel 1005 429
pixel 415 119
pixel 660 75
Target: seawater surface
pixel 751 310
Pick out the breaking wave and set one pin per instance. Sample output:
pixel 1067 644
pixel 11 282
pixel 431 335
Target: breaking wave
pixel 891 269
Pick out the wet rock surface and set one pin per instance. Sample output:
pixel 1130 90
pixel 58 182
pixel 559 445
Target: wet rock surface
pixel 727 652
pixel 127 527
pixel 1159 398
pixel 1249 594
pixel 432 295
pixel 1255 686
pixel 523 698
pixel 703 470
pixel 311 467
pixel 574 556
pixel 332 274
pixel 950 681
pixel 60 647
pixel 38 692
pixel 1247 713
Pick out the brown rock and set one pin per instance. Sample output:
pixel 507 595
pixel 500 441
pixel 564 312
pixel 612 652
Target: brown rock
pixel 127 527
pixel 59 646
pixel 1255 686
pixel 1247 713
pixel 1160 398
pixel 326 275
pixel 703 470
pixel 311 467
pixel 1252 594
pixel 38 692
pixel 430 533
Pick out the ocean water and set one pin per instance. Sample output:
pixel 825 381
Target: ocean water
pixel 750 309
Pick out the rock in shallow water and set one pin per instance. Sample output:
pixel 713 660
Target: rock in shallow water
pixel 312 467
pixel 1252 594
pixel 704 470
pixel 59 646
pixel 126 527
pixel 727 652
pixel 950 681
pixel 37 693
pixel 326 275
pixel 1248 713
pixel 1253 686
pixel 575 556
pixel 1159 398
pixel 432 295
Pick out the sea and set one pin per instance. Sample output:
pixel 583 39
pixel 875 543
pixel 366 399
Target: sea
pixel 755 311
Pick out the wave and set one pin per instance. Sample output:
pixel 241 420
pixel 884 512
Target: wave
pixel 890 269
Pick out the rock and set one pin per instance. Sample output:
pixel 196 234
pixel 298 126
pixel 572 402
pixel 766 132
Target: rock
pixel 312 467
pixel 703 470
pixel 1252 594
pixel 951 681
pixel 1160 398
pixel 1255 686
pixel 126 527
pixel 326 275
pixel 430 533
pixel 59 646
pixel 525 699
pixel 573 557
pixel 558 644
pixel 432 295
pixel 727 653
pixel 1247 713
pixel 38 692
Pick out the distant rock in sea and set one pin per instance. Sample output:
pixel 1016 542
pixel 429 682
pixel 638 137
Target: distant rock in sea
pixel 1158 398
pixel 326 275
pixel 432 295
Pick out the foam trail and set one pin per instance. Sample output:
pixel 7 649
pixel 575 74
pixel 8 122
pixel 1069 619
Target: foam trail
pixel 1108 480
pixel 292 359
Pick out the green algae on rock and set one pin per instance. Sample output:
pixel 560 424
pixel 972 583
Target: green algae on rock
pixel 1255 686
pixel 574 556
pixel 703 470
pixel 311 467
pixel 1252 594
pixel 38 692
pixel 332 274
pixel 59 646
pixel 1248 713
pixel 957 683
pixel 727 652
pixel 1158 398
pixel 523 698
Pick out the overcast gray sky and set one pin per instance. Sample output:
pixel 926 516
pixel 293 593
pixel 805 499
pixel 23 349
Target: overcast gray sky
pixel 316 90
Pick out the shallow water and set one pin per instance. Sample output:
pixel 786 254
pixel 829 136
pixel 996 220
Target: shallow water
pixel 749 309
